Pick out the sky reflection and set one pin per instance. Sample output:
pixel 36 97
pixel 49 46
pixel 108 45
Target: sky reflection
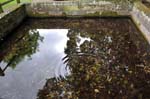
pixel 31 73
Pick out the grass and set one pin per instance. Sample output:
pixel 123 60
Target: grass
pixel 13 3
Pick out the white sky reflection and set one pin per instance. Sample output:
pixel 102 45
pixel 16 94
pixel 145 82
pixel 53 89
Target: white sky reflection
pixel 31 74
pixel 59 47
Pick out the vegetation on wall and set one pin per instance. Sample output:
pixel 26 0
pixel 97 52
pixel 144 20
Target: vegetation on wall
pixel 13 3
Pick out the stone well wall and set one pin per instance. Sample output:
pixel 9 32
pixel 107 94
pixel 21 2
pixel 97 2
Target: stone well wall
pixel 74 8
pixel 139 13
pixel 10 20
pixel 141 16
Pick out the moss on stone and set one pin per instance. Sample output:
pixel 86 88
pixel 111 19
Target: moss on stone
pixel 92 14
pixel 109 13
pixel 70 8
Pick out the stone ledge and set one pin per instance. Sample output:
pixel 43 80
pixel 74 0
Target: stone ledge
pixel 141 17
pixel 68 8
pixel 11 19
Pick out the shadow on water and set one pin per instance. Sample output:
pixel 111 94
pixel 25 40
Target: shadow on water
pixel 107 60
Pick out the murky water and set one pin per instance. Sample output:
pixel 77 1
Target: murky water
pixel 102 57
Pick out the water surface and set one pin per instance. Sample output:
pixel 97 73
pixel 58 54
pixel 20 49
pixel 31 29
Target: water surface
pixel 30 58
pixel 106 57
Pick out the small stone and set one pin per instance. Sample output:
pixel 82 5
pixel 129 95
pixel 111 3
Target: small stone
pixel 96 91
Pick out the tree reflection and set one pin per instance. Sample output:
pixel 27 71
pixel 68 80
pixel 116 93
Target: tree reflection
pixel 105 65
pixel 19 47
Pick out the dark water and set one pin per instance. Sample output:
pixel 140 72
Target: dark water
pixel 100 58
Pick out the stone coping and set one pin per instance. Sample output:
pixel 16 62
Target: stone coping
pixel 10 10
pixel 77 9
pixel 142 8
pixel 140 14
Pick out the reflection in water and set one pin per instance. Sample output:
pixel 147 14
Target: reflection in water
pixel 104 63
pixel 1 72
pixel 14 51
pixel 33 55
